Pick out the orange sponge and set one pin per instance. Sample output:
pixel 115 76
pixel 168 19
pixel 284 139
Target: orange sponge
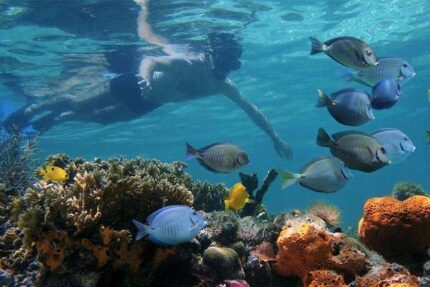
pixel 396 229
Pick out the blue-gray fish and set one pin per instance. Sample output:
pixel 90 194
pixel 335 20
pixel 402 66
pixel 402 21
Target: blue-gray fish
pixel 218 157
pixel 348 51
pixel 357 150
pixel 397 144
pixel 385 94
pixel 323 174
pixel 349 106
pixel 171 225
pixel 388 67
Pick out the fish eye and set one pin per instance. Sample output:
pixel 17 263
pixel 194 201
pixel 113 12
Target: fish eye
pixel 405 65
pixel 194 213
pixel 52 169
pixel 405 139
pixel 383 150
pixel 368 53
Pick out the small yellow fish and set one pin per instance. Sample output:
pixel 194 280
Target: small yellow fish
pixel 55 173
pixel 237 198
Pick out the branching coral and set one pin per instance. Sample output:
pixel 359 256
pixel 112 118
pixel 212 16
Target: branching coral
pixel 16 161
pixel 89 216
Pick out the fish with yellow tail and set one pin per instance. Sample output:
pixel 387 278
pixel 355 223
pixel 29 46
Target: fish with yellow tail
pixel 237 198
pixel 54 173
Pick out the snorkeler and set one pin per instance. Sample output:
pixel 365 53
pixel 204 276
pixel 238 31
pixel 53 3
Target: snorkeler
pixel 176 77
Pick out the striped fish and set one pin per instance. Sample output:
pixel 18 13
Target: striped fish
pixel 171 225
pixel 218 157
pixel 357 150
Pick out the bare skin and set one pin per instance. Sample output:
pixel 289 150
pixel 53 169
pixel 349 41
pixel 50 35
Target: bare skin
pixel 172 78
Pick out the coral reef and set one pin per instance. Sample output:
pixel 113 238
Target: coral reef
pixel 222 227
pixel 398 230
pixel 404 190
pixel 327 212
pixel 80 230
pixel 324 278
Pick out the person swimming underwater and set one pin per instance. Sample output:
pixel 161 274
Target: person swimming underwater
pixel 172 78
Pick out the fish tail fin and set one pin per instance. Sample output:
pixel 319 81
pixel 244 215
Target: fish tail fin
pixel 346 75
pixel 323 100
pixel 142 229
pixel 226 204
pixel 288 178
pixel 191 152
pixel 317 46
pixel 323 139
pixel 428 137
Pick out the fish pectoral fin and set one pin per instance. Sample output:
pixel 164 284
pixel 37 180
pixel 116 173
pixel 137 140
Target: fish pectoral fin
pixel 248 200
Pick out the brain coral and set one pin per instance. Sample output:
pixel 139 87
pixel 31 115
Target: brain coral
pixel 397 230
pixel 225 262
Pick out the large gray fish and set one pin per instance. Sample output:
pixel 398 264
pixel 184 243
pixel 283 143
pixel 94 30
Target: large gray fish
pixel 171 225
pixel 398 146
pixel 323 174
pixel 218 157
pixel 349 106
pixel 348 51
pixel 388 67
pixel 357 150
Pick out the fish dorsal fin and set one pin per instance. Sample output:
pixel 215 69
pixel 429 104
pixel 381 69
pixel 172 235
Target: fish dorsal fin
pixel 339 135
pixel 152 216
pixel 331 41
pixel 308 164
pixel 211 145
pixel 384 130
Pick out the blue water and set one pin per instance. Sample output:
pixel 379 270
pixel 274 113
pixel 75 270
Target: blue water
pixel 43 44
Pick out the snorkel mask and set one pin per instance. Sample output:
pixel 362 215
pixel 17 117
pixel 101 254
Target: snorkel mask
pixel 222 53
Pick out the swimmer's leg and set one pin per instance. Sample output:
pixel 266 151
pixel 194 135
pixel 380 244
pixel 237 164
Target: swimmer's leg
pixel 17 120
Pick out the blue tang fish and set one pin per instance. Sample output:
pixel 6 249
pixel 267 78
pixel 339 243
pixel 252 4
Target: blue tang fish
pixel 385 94
pixel 398 146
pixel 171 225
pixel 349 106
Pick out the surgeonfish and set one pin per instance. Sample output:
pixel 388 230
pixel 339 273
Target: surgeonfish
pixel 323 174
pixel 357 150
pixel 385 94
pixel 54 173
pixel 237 198
pixel 388 67
pixel 348 51
pixel 397 145
pixel 349 106
pixel 171 225
pixel 218 157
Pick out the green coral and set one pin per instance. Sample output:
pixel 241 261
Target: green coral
pixel 223 226
pixel 404 190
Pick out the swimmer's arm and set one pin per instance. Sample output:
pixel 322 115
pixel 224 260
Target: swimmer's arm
pixel 161 64
pixel 231 91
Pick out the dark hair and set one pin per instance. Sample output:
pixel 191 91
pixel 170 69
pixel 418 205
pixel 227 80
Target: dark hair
pixel 223 52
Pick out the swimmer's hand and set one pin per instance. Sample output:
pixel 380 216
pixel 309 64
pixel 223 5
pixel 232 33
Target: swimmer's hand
pixel 144 84
pixel 283 149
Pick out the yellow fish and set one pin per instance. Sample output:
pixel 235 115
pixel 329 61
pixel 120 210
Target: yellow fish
pixel 55 173
pixel 237 198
